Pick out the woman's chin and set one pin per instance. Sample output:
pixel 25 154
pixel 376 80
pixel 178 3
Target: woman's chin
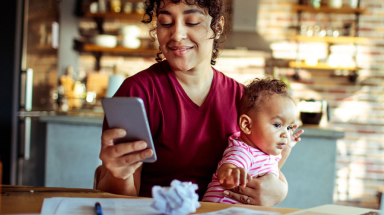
pixel 180 66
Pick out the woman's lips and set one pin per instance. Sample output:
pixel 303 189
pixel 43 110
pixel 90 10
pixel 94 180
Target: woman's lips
pixel 180 50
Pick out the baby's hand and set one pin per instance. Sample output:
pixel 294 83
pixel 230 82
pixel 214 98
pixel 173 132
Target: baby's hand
pixel 231 176
pixel 294 137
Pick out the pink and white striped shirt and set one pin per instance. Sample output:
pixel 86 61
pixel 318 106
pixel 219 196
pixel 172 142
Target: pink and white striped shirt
pixel 241 155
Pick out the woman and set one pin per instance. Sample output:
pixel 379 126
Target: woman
pixel 191 108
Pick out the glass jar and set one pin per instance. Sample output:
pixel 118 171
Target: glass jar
pixel 115 6
pixel 314 3
pixel 140 8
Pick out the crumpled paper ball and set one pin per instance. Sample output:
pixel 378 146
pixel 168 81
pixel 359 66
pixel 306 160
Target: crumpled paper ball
pixel 179 198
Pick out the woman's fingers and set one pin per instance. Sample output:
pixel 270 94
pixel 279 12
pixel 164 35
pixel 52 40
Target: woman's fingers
pixel 110 134
pixel 125 148
pixel 132 158
pixel 238 197
pixel 122 159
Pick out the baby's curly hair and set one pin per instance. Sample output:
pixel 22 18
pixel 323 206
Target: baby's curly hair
pixel 215 8
pixel 257 92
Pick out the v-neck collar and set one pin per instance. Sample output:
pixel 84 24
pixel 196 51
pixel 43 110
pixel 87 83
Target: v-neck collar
pixel 181 90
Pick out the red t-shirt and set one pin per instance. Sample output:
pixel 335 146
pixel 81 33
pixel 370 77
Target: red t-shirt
pixel 189 140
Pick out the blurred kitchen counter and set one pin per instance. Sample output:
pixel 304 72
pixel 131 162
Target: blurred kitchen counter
pixel 321 132
pixel 95 117
pixel 80 117
pixel 73 142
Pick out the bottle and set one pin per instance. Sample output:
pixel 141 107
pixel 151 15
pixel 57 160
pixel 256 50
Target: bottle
pixel 114 82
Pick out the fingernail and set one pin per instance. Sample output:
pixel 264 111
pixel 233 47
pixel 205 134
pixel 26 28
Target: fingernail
pixel 147 153
pixel 122 132
pixel 141 145
pixel 226 193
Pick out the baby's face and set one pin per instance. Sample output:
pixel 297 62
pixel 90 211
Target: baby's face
pixel 271 126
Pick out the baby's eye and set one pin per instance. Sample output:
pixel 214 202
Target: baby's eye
pixel 289 128
pixel 277 125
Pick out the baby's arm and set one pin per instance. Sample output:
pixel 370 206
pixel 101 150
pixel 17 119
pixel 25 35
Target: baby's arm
pixel 231 176
pixel 294 138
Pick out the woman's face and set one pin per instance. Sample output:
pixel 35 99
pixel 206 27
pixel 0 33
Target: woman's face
pixel 185 36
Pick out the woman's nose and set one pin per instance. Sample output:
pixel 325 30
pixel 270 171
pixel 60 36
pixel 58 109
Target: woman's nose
pixel 178 32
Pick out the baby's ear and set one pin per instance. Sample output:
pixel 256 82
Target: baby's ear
pixel 245 123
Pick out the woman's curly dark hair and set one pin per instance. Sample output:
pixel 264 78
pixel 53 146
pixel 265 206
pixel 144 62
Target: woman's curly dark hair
pixel 258 91
pixel 216 9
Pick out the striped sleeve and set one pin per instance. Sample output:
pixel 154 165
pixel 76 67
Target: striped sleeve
pixel 238 156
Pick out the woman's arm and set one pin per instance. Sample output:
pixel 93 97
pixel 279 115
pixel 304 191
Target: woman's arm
pixel 267 190
pixel 121 169
pixel 294 139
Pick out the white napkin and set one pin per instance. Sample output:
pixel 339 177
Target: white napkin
pixel 179 198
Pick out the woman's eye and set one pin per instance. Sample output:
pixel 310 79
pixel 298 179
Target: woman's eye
pixel 193 24
pixel 165 24
pixel 277 125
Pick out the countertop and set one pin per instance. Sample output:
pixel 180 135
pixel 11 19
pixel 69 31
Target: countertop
pixel 90 117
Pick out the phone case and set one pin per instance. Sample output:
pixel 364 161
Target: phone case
pixel 129 113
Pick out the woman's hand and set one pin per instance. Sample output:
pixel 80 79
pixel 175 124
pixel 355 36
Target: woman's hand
pixel 118 159
pixel 266 190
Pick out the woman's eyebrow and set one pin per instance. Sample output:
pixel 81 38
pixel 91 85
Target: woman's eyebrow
pixel 193 11
pixel 190 11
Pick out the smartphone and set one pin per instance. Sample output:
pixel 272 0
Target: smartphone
pixel 129 114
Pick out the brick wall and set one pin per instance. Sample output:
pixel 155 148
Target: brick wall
pixel 357 108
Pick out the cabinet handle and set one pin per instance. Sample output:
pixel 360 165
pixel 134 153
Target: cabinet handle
pixel 26 90
pixel 27 138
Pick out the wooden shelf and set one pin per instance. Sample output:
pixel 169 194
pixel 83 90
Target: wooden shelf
pixel 119 50
pixel 360 40
pixel 111 15
pixel 323 66
pixel 326 9
pixel 43 16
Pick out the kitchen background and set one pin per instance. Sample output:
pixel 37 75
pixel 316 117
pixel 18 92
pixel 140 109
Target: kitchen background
pixel 355 96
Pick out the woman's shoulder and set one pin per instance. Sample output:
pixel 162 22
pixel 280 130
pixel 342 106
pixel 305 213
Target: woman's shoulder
pixel 145 80
pixel 223 79
pixel 154 71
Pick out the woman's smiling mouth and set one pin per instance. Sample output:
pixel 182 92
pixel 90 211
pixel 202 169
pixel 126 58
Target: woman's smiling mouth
pixel 180 50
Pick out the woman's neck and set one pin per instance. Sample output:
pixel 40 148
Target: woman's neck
pixel 197 79
pixel 196 83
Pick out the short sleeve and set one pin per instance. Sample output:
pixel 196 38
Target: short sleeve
pixel 237 156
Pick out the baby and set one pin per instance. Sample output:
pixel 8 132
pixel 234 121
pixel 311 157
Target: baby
pixel 266 117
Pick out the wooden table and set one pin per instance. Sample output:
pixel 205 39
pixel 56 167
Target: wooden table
pixel 25 199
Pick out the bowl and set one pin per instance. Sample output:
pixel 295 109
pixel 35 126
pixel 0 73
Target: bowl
pixel 105 40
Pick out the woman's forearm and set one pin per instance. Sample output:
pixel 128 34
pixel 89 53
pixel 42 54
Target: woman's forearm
pixel 274 190
pixel 108 183
pixel 283 184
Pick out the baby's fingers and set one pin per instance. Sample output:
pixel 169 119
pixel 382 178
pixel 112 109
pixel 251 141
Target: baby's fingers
pixel 249 177
pixel 224 176
pixel 297 134
pixel 244 176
